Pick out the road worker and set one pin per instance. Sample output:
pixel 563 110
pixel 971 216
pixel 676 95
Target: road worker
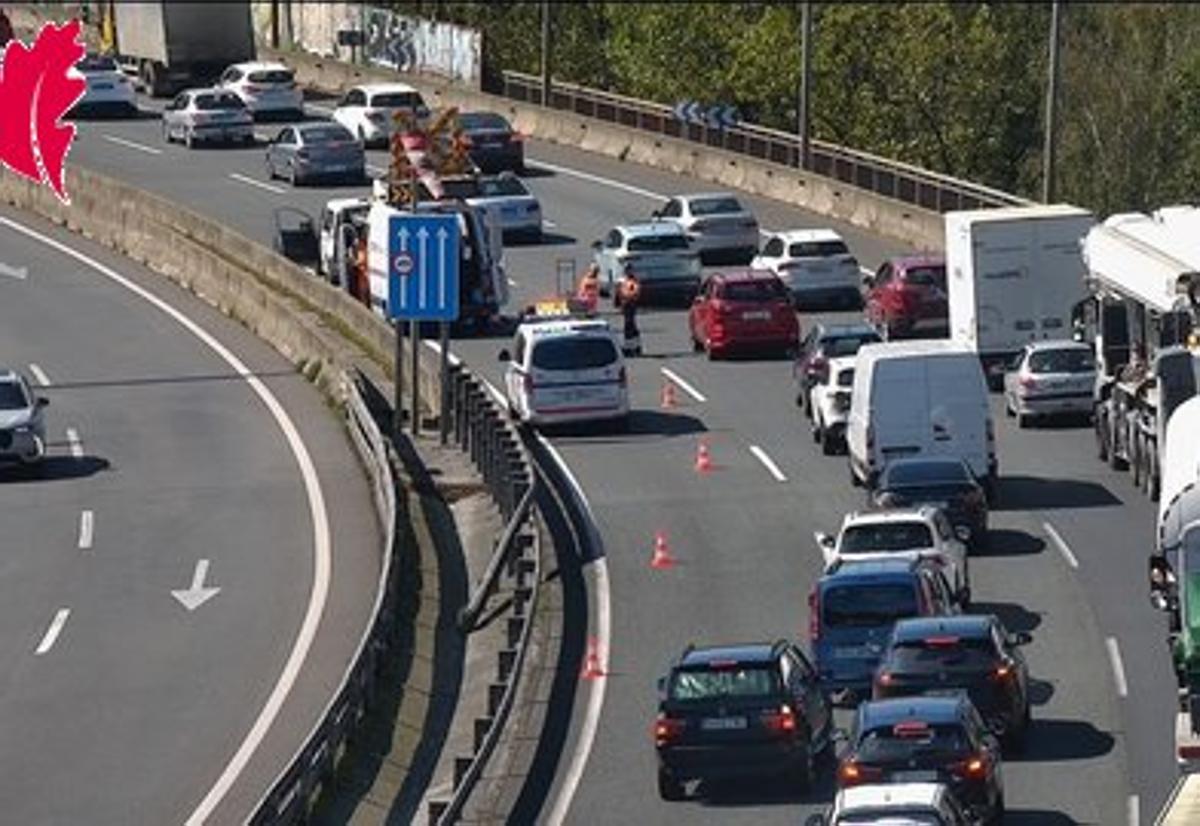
pixel 629 293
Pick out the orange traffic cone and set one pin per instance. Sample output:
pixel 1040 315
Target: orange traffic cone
pixel 703 460
pixel 662 558
pixel 668 395
pixel 591 662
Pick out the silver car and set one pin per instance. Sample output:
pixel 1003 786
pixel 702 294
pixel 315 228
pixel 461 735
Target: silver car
pixel 667 266
pixel 716 223
pixel 1050 378
pixel 316 150
pixel 206 115
pixel 514 207
pixel 22 423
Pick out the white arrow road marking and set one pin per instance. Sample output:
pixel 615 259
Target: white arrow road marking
pixel 441 234
pixel 403 235
pixel 87 526
pixel 149 150
pixel 56 627
pixel 75 443
pixel 40 375
pixel 192 598
pixel 422 237
pixel 14 272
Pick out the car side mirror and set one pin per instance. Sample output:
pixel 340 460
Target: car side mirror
pixel 43 401
pixel 825 540
pixel 963 533
pixel 1021 638
pixel 504 356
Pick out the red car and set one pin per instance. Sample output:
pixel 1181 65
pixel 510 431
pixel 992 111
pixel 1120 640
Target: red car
pixel 743 310
pixel 908 295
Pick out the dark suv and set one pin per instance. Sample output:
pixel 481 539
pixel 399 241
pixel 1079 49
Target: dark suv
pixel 974 653
pixel 735 710
pixel 927 740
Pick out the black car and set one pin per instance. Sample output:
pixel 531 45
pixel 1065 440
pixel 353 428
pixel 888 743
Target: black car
pixel 943 481
pixel 927 740
pixel 971 652
pixel 494 146
pixel 737 710
pixel 824 342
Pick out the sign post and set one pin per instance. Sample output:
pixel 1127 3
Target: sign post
pixel 423 285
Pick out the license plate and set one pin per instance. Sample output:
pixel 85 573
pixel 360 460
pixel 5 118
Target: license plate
pixel 756 315
pixel 924 776
pixel 101 85
pixel 723 723
pixel 510 211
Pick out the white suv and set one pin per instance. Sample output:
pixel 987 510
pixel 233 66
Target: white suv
pixel 566 371
pixel 829 403
pixel 928 804
pixel 369 111
pixel 815 265
pixel 901 532
pixel 22 423
pixel 264 87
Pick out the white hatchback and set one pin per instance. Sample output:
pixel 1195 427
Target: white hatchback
pixel 369 111
pixel 829 401
pixel 107 86
pixel 264 88
pixel 815 264
pixel 1050 378
pixel 22 423
pixel 566 371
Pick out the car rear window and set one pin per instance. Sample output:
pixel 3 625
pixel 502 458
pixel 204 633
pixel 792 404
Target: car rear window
pixel 272 76
pixel 574 353
pixel 934 472
pixel 97 63
pixel 1062 361
pixel 483 120
pixel 715 206
pixel 397 100
pixel 764 290
pixel 326 134
pixel 885 744
pixel 501 187
pixel 886 536
pixel 867 604
pixel 817 249
pixel 657 243
pixel 218 102
pixel 939 653
pixel 926 276
pixel 12 396
pixel 738 680
pixel 841 346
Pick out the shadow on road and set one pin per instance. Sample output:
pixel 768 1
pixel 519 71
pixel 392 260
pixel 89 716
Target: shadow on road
pixel 1055 740
pixel 1005 542
pixel 547 239
pixel 1036 817
pixel 1040 691
pixel 1019 493
pixel 531 171
pixel 768 791
pixel 641 423
pixel 1015 617
pixel 55 469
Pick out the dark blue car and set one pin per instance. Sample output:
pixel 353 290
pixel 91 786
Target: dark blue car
pixel 853 608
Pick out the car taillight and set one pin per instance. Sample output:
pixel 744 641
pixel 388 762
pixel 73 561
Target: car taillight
pixel 884 679
pixel 781 722
pixel 1002 673
pixel 851 773
pixel 814 615
pixel 974 767
pixel 818 368
pixel 667 730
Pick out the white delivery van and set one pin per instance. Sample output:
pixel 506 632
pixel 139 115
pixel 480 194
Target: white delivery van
pixel 1013 275
pixel 924 397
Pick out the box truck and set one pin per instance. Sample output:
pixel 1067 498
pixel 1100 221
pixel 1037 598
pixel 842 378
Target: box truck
pixel 1013 275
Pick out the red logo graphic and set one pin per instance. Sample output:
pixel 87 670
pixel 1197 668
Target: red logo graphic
pixel 37 86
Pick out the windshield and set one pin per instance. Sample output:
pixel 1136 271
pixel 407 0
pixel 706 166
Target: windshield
pixel 501 187
pixel 12 396
pixel 458 188
pixel 224 100
pixel 817 249
pixel 712 683
pixel 715 206
pixel 884 745
pixel 657 243
pixel 326 134
pixel 926 276
pixel 841 346
pixel 574 353
pixel 765 290
pixel 271 76
pixel 397 100
pixel 886 536
pixel 924 472
pixel 941 653
pixel 1062 361
pixel 868 604
pixel 97 63
pixel 483 120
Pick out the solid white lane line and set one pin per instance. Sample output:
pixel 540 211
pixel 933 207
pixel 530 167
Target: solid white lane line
pixel 39 375
pixel 322 550
pixel 251 182
pixel 596 179
pixel 75 443
pixel 1118 667
pixel 770 465
pixel 683 385
pixel 1061 544
pixel 548 224
pixel 56 627
pixel 140 147
pixel 1135 810
pixel 87 525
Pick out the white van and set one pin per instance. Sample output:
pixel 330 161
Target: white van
pixel 919 397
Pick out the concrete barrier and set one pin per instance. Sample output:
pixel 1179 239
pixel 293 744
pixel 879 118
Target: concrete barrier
pixel 921 228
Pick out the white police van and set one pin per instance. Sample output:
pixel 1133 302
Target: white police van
pixel 566 370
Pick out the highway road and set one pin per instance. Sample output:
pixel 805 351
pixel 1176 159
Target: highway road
pixel 167 469
pixel 1068 551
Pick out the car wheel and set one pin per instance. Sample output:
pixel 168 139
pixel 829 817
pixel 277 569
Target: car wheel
pixel 189 138
pixel 1022 420
pixel 1101 429
pixel 292 177
pixel 669 788
pixel 828 443
pixel 1008 408
pixel 166 133
pixel 996 818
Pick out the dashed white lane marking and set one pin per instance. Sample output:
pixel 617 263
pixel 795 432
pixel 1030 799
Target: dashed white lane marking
pixel 56 627
pixel 39 375
pixel 75 443
pixel 768 463
pixel 1135 807
pixel 87 526
pixel 1118 667
pixel 683 385
pixel 251 182
pixel 1061 544
pixel 140 147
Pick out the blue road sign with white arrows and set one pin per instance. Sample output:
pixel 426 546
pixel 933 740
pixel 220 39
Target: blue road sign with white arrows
pixel 423 255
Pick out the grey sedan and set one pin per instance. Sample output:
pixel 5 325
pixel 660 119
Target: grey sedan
pixel 202 115
pixel 1050 378
pixel 318 150
pixel 22 423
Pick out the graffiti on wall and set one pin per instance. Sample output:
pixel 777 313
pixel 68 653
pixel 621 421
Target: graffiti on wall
pixel 410 44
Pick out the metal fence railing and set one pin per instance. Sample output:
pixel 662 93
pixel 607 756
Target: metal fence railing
pixel 889 178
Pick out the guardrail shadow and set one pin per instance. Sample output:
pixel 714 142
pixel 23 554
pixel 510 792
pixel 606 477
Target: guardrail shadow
pixel 1056 740
pixel 1015 617
pixel 1018 493
pixel 1009 542
pixel 54 469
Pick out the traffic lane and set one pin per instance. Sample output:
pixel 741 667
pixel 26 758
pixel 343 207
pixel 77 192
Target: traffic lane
pixel 197 471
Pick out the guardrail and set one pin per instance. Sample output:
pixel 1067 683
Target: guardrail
pixel 889 178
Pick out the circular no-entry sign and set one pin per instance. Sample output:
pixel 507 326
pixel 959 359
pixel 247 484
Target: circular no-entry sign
pixel 403 263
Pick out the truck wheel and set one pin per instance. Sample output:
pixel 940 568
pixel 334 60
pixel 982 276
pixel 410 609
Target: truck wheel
pixel 828 443
pixel 1114 460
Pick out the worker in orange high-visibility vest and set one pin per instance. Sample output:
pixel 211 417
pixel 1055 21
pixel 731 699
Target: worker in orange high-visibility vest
pixel 588 293
pixel 629 293
pixel 361 285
